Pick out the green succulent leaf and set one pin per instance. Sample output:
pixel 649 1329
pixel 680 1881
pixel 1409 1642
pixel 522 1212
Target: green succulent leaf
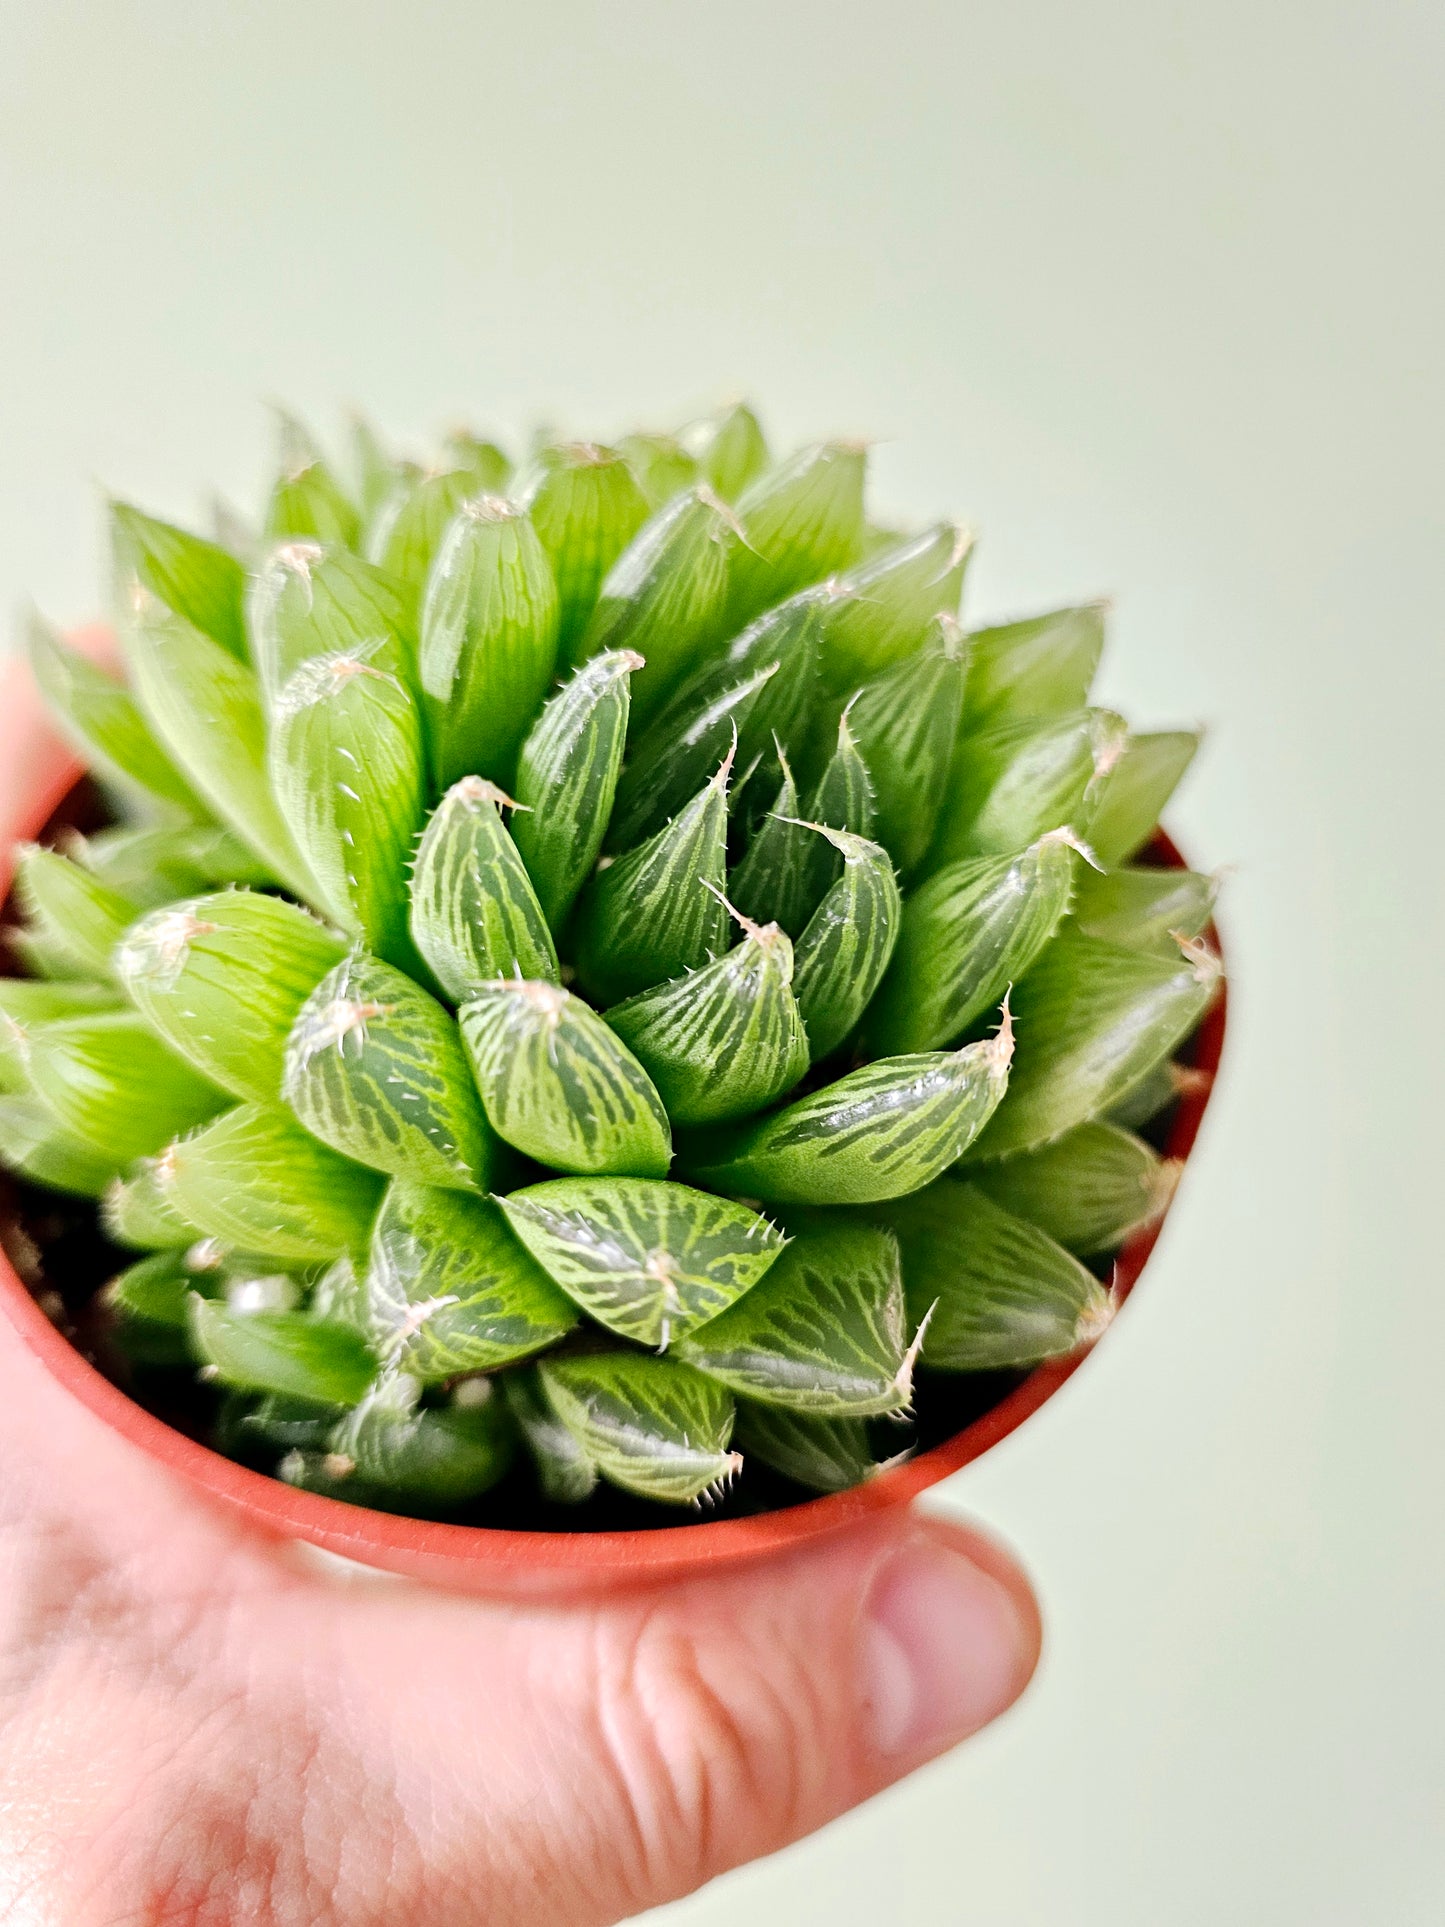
pixel 138 1212
pixel 657 911
pixel 801 521
pixel 843 800
pixel 348 770
pixel 34 1143
pixel 648 1259
pixel 774 881
pixel 1093 1020
pixel 158 866
pixel 69 908
pixel 206 709
pixel 310 602
pixel 306 498
pixel 665 597
pixel 157 1290
pixel 586 506
pixel 843 953
pixel 474 913
pixel 1135 790
pixel 450 1290
pixel 196 579
pixel 1042 666
pixel 649 1425
pixel 725 1040
pixel 904 724
pixel 340 1293
pixel 268 1422
pixel 662 466
pixel 567 779
pixel 489 466
pixel 1164 1085
pixel 488 639
pixel 997 1293
pixel 823 1332
pixel 1145 909
pixel 102 718
pixel 260 1183
pixel 1088 1189
pixel 111 1081
pixel 663 775
pixel 968 933
pixel 885 607
pixel 404 537
pixel 1011 784
pixel 375 468
pixel 824 1454
pixel 560 1086
pixel 427 1459
pixel 222 978
pixel 729 448
pixel 25 1003
pixel 565 1474
pixel 375 1068
pixel 884 1130
pixel 283 1352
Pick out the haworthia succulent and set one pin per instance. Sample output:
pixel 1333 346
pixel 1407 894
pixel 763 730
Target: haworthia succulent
pixel 567 779
pixel 648 1259
pixel 968 933
pixel 904 724
pixel 102 718
pixel 888 603
pixel 1001 1293
pixel 844 950
pixel 774 881
pixel 586 506
pixel 729 447
pixel 725 1040
pixel 68 907
pixel 139 1213
pixel 489 465
pixel 1135 790
pixel 222 978
pixel 1166 1084
pixel 306 498
pixel 24 1004
pixel 1042 666
pixel 206 709
pixel 375 1068
pixel 802 520
pixel 562 1087
pixel 348 770
pixel 824 1454
pixel 664 597
pixel 153 867
pixel 842 799
pixel 200 581
pixel 1088 1189
pixel 1011 784
pixel 488 639
pixel 38 1146
pixel 449 1289
pixel 430 1459
pixel 309 602
pixel 340 1293
pixel 158 1289
pixel 565 1474
pixel 1145 909
pixel 474 913
pixel 884 1130
pixel 823 1332
pixel 662 465
pixel 650 915
pixel 1093 1020
pixel 663 775
pixel 649 1425
pixel 111 1081
pixel 283 1352
pixel 259 1182
pixel 408 530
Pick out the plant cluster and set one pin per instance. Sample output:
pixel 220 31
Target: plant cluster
pixel 594 961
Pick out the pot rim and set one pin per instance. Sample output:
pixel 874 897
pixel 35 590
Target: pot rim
pixel 478 1556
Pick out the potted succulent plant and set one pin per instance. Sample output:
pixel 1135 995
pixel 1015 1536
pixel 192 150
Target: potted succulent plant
pixel 586 1003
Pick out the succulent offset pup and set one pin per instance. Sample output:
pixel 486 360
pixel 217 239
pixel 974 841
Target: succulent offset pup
pixel 594 963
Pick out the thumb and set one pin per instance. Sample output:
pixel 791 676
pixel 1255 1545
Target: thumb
pixel 624 1752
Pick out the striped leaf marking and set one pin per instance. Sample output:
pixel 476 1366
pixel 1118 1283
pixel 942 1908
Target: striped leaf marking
pixel 824 1331
pixel 347 768
pixel 257 1181
pixel 1094 1019
pixel 843 799
pixel 725 1040
pixel 1001 1292
pixel 1135 789
pixel 340 1293
pixel 375 1068
pixel 391 1450
pixel 309 601
pixel 1011 784
pixel 222 979
pixel 650 915
pixel 887 603
pixel 449 1290
pixel 559 1085
pixel 586 507
pixel 1088 1189
pixel 281 1351
pixel 967 933
pixel 647 1258
pixel 880 1132
pixel 824 1454
pixel 1145 909
pixel 844 951
pixel 111 1081
pixel 905 724
pixel 649 1425
pixel 565 1474
pixel 802 520
pixel 663 774
pixel 773 880
pixel 408 529
pixel 567 779
pixel 474 913
pixel 1042 666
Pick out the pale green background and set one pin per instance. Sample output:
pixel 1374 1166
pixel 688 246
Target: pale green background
pixel 1153 292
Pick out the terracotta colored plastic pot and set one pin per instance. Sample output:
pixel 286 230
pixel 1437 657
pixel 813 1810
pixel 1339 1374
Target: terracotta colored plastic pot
pixel 36 774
